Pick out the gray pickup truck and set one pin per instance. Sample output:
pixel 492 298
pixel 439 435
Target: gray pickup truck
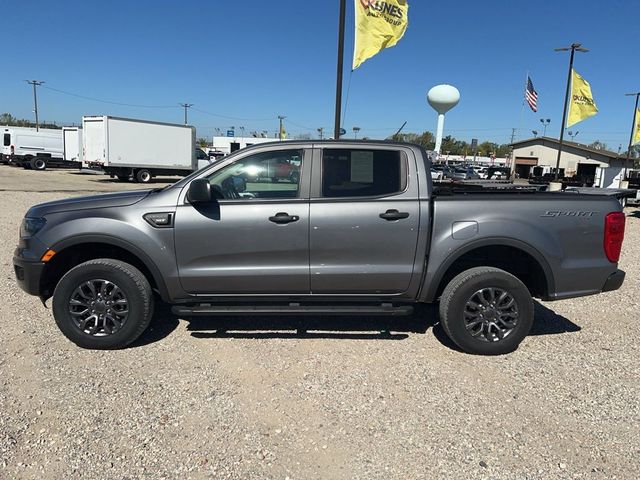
pixel 353 228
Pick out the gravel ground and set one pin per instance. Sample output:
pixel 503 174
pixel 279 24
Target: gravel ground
pixel 260 402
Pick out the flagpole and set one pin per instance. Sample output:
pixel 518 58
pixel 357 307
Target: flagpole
pixel 573 48
pixel 336 130
pixel 633 127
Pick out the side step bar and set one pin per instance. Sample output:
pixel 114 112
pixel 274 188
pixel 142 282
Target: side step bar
pixel 291 309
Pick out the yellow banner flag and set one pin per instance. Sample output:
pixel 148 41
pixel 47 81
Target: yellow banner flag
pixel 636 131
pixel 581 105
pixel 380 24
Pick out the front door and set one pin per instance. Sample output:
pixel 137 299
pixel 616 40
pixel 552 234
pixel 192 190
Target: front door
pixel 364 218
pixel 255 238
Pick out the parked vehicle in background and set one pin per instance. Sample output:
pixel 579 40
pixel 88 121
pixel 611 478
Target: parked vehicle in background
pixel 436 174
pixel 140 150
pixel 464 174
pixel 30 148
pixel 360 230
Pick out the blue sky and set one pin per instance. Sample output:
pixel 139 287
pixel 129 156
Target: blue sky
pixel 254 60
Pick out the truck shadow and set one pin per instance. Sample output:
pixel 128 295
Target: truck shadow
pixel 164 322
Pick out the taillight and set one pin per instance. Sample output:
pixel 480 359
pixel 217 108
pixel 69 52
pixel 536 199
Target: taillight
pixel 13 149
pixel 613 235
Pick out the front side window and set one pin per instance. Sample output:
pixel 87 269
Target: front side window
pixel 362 173
pixel 266 175
pixel 7 139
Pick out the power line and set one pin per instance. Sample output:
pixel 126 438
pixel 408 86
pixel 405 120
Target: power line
pixel 232 118
pixel 108 101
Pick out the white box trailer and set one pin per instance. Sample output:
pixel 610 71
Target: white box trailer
pixel 72 143
pixel 139 149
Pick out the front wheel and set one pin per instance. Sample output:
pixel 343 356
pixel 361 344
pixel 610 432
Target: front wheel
pixel 486 311
pixel 103 304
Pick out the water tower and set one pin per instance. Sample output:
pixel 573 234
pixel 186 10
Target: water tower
pixel 442 98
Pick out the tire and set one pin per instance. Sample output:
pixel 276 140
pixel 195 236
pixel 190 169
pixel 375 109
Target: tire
pixel 482 330
pixel 38 163
pixel 143 176
pixel 124 286
pixel 123 178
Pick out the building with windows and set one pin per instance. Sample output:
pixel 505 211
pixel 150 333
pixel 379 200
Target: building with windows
pixel 229 145
pixel 538 156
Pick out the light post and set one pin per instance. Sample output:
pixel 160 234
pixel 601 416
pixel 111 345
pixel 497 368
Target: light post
pixel 572 48
pixel 186 106
pixel 355 132
pixel 545 124
pixel 320 132
pixel 573 134
pixel 535 133
pixel 633 124
pixel 35 83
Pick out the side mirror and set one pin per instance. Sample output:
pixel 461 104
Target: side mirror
pixel 199 191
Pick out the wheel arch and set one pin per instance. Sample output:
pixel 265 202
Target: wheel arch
pixel 489 252
pixel 79 249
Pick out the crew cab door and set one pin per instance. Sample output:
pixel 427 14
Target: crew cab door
pixel 255 240
pixel 365 218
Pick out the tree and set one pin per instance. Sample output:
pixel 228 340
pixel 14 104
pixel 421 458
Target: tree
pixel 202 142
pixel 598 145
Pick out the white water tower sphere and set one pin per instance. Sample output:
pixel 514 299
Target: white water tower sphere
pixel 442 98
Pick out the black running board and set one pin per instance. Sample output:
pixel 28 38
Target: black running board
pixel 291 309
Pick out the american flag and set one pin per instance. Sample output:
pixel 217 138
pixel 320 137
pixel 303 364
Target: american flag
pixel 530 95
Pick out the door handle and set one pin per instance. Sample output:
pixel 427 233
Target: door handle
pixel 394 215
pixel 283 217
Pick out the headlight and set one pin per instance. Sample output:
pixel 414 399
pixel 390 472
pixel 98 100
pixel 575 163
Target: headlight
pixel 31 226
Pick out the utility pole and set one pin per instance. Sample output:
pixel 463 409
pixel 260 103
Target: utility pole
pixel 281 118
pixel 336 129
pixel 633 125
pixel 572 48
pixel 186 106
pixel 513 134
pixel 35 83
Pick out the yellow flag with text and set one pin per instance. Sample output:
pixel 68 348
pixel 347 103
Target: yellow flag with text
pixel 380 24
pixel 636 131
pixel 581 104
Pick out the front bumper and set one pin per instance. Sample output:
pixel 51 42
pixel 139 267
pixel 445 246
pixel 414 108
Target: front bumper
pixel 614 281
pixel 28 275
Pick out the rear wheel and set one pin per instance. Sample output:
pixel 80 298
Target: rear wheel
pixel 486 311
pixel 143 176
pixel 38 163
pixel 103 304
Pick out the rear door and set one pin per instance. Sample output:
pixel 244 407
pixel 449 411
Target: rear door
pixel 94 140
pixel 364 220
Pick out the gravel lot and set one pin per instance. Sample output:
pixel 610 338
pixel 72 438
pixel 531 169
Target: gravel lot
pixel 260 402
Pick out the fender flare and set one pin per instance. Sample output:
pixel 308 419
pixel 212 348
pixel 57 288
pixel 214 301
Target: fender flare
pixel 118 242
pixel 429 295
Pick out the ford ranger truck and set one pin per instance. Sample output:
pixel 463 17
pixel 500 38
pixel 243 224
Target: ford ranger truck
pixel 359 231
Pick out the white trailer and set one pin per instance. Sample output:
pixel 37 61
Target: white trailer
pixel 139 149
pixel 32 148
pixel 72 143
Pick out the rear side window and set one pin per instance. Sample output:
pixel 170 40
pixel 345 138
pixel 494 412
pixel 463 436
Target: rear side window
pixel 362 173
pixel 7 139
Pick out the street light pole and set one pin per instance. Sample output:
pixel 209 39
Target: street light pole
pixel 186 106
pixel 355 132
pixel 633 124
pixel 35 83
pixel 573 48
